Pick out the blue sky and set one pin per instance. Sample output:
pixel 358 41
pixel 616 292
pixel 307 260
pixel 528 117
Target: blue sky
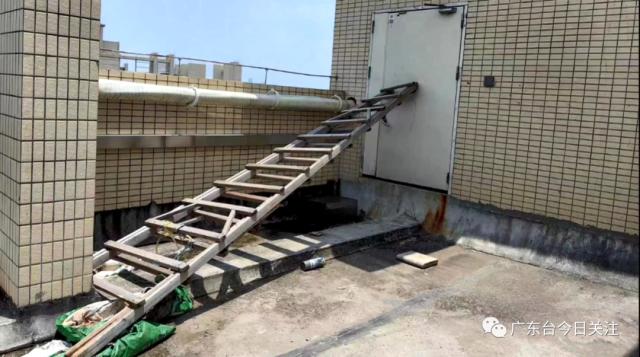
pixel 289 34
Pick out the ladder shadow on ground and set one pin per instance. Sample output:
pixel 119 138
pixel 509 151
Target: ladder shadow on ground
pixel 232 287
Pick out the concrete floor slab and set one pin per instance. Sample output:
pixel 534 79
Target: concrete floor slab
pixel 370 304
pixel 252 258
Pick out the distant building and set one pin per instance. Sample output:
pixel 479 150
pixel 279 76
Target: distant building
pixel 192 70
pixel 109 53
pixel 112 58
pixel 229 72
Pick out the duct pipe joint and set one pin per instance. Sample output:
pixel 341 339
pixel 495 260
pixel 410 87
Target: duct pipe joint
pixel 196 97
pixel 275 93
pixel 339 101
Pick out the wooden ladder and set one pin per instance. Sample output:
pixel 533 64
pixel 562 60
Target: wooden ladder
pixel 277 176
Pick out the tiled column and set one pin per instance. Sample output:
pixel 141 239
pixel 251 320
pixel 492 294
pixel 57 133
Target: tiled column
pixel 49 66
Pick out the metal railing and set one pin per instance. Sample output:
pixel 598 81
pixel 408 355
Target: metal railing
pixel 177 65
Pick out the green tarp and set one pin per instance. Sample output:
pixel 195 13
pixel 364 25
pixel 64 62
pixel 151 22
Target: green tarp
pixel 74 334
pixel 141 336
pixel 183 302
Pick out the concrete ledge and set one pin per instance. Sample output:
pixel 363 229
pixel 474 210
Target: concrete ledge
pixel 591 253
pixel 248 264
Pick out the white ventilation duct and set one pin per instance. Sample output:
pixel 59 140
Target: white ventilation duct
pixel 192 96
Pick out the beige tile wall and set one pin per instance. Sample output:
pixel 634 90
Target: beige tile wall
pixel 11 23
pixel 130 178
pixel 48 147
pixel 558 135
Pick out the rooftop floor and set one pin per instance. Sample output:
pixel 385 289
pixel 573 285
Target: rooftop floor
pixel 370 304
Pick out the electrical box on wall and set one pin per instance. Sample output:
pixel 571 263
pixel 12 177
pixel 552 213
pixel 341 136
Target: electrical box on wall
pixel 424 46
pixel 489 81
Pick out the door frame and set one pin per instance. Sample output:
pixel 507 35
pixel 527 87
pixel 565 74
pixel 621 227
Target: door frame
pixel 464 8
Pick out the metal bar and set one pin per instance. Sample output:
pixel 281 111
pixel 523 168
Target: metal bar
pixel 179 141
pixel 148 55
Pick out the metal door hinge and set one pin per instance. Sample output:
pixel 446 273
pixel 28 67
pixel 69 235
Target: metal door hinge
pixel 369 73
pixel 457 73
pixel 448 177
pixel 373 26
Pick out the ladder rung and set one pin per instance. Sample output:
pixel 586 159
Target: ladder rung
pixel 215 216
pixel 177 239
pixel 275 177
pixel 364 109
pixel 310 160
pixel 141 264
pixel 380 97
pixel 199 232
pixel 227 206
pixel 393 88
pixel 117 291
pixel 325 136
pixel 158 259
pixel 182 227
pixel 305 150
pixel 345 121
pixel 253 186
pixel 328 145
pixel 244 196
pixel 276 167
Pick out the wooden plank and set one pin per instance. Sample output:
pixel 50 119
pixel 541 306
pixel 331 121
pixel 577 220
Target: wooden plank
pixel 203 233
pixel 325 136
pixel 416 259
pixel 116 291
pixel 404 85
pixel 277 167
pixel 227 224
pixel 252 186
pixel 345 121
pixel 244 196
pixel 220 205
pixel 141 264
pixel 275 177
pixel 303 150
pixel 380 97
pixel 327 145
pixel 214 216
pixel 184 229
pixel 364 109
pixel 307 160
pixel 180 240
pixel 158 259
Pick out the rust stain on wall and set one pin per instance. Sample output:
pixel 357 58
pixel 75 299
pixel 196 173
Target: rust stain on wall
pixel 434 221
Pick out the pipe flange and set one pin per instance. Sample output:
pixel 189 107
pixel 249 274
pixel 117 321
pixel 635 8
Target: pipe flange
pixel 274 92
pixel 340 100
pixel 196 97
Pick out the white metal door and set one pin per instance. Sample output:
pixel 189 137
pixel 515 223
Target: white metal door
pixel 422 46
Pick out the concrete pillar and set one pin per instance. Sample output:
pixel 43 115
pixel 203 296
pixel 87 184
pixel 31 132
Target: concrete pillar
pixel 48 110
pixel 153 63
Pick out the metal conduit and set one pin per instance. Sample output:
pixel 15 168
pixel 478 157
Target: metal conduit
pixel 192 96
